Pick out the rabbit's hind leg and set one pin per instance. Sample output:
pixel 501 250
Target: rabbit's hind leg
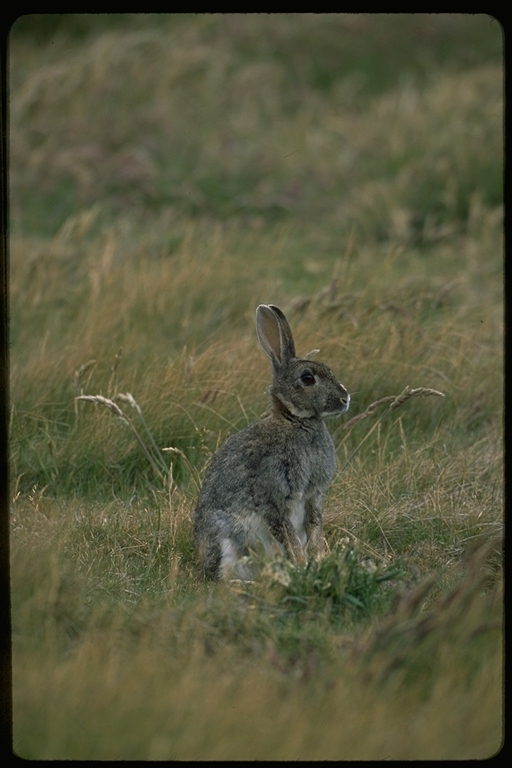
pixel 232 565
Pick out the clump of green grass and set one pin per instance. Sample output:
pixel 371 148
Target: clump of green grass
pixel 343 583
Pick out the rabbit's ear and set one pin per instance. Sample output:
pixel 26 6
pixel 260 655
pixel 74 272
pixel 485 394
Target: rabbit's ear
pixel 274 334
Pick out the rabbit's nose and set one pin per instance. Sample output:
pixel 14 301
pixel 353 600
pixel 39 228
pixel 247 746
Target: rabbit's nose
pixel 345 398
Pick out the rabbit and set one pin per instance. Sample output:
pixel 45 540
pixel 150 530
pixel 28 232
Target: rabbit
pixel 263 489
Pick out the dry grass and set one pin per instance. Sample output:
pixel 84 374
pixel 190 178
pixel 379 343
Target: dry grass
pixel 167 177
pixel 188 683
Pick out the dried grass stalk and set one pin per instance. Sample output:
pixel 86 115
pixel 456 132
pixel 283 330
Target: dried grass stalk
pixel 395 402
pixel 107 402
pixel 115 409
pixel 193 471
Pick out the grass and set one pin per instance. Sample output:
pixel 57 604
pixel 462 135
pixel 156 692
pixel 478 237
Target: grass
pixel 168 174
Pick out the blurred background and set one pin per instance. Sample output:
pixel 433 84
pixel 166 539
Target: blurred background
pixel 253 115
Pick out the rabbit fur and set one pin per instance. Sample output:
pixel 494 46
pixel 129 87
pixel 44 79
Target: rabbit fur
pixel 263 489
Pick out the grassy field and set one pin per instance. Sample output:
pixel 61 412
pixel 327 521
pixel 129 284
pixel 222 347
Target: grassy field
pixel 168 173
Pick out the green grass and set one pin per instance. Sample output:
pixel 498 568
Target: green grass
pixel 168 174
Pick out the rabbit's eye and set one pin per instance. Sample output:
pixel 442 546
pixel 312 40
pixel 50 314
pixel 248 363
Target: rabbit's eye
pixel 307 378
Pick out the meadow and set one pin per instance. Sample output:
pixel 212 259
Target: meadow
pixel 168 173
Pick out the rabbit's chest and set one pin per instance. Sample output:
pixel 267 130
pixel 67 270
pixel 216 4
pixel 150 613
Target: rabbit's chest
pixel 313 469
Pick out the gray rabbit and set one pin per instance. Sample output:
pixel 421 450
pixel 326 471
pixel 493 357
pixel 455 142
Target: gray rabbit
pixel 264 486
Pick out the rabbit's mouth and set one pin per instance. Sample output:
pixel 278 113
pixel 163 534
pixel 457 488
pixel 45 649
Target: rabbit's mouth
pixel 337 409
